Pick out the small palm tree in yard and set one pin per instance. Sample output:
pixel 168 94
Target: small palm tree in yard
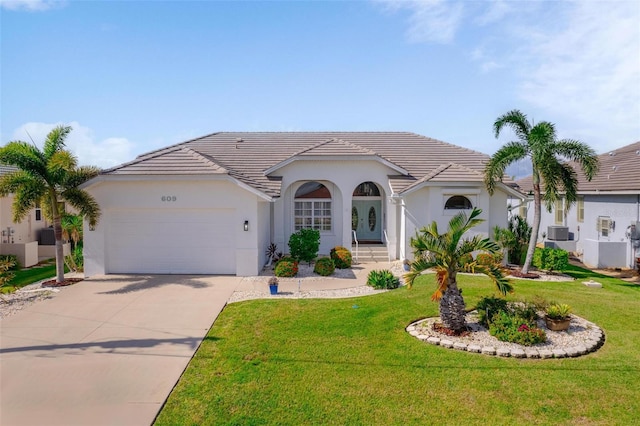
pixel 539 143
pixel 48 176
pixel 71 228
pixel 448 254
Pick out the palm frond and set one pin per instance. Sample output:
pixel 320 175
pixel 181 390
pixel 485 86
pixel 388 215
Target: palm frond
pixel 581 154
pixel 500 160
pixel 84 203
pixel 516 120
pixel 24 156
pixel 55 141
pixel 418 267
pixel 495 274
pixel 80 175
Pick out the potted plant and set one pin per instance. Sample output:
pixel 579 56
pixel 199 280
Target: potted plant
pixel 406 265
pixel 558 316
pixel 273 285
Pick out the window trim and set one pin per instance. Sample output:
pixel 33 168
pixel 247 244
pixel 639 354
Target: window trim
pixel 449 197
pixel 559 211
pixel 315 205
pixel 580 209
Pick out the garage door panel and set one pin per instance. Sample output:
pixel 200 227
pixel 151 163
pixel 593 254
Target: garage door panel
pixel 174 241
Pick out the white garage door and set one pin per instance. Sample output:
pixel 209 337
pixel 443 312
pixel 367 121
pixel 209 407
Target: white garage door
pixel 174 241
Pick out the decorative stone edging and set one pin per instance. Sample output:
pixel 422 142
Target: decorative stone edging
pixel 591 338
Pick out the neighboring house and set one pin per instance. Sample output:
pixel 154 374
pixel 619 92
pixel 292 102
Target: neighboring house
pixel 212 205
pixel 603 227
pixel 20 239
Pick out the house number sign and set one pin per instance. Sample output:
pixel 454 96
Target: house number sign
pixel 169 198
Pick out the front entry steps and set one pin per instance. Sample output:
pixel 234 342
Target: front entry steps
pixel 370 253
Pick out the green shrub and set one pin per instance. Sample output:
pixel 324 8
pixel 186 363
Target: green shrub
pixel 488 307
pixel 324 266
pixel 341 257
pixel 11 258
pixel 383 279
pixel 525 311
pixel 551 259
pixel 511 328
pixel 286 268
pixel 304 245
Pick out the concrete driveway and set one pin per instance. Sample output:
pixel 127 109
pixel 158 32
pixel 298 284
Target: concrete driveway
pixel 105 351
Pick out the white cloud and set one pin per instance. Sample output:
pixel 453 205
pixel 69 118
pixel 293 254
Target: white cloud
pixel 574 63
pixel 32 5
pixel 81 142
pixel 430 20
pixel 587 70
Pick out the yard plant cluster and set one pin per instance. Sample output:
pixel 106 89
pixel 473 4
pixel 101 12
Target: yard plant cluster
pixel 304 246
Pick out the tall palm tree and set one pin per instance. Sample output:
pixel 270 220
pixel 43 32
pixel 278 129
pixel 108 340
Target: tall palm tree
pixel 549 164
pixel 446 254
pixel 48 176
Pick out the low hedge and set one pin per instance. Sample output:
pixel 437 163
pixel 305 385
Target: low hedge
pixel 341 257
pixel 324 266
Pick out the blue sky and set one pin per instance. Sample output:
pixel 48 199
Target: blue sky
pixel 133 76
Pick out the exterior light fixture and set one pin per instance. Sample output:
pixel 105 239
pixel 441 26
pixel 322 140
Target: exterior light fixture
pixel 246 225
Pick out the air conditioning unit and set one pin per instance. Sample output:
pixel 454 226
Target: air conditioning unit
pixel 558 233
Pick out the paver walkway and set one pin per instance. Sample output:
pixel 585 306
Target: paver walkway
pixel 106 351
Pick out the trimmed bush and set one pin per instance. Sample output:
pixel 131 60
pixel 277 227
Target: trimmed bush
pixel 286 267
pixel 304 245
pixel 324 266
pixel 508 327
pixel 382 279
pixel 341 257
pixel 551 259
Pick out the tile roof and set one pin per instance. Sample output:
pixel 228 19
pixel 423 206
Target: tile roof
pixel 247 155
pixel 619 171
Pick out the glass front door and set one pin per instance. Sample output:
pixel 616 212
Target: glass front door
pixel 366 219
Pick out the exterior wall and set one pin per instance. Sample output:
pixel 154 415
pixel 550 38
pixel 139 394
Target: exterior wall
pixel 623 209
pixel 27 253
pixel 23 232
pixel 341 178
pixel 427 205
pixel 147 193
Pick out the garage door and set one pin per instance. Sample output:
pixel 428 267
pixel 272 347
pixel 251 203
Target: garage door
pixel 174 241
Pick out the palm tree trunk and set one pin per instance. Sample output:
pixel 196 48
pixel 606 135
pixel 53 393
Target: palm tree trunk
pixel 535 228
pixel 57 231
pixel 452 305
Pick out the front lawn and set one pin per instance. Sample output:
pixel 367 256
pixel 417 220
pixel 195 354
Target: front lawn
pixel 24 277
pixel 349 361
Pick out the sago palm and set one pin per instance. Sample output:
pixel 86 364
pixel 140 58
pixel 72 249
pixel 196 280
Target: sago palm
pixel 446 253
pixel 550 165
pixel 48 176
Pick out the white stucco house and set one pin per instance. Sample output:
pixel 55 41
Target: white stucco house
pixel 212 205
pixel 603 228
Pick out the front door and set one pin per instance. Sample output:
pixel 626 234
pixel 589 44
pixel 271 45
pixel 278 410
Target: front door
pixel 366 219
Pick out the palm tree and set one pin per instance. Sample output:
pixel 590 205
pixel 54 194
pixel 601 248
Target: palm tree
pixel 538 142
pixel 48 176
pixel 71 228
pixel 446 254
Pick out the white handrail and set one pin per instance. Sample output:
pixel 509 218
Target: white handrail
pixel 386 241
pixel 355 238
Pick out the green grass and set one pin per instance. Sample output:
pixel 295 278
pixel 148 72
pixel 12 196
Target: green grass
pixel 349 361
pixel 25 277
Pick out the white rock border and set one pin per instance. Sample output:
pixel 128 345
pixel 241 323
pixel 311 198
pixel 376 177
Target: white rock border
pixel 587 338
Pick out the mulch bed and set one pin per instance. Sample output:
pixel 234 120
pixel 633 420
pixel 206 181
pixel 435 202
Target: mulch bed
pixel 66 282
pixel 440 328
pixel 520 274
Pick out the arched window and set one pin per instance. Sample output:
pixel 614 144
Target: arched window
pixel 458 202
pixel 312 207
pixel 366 189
